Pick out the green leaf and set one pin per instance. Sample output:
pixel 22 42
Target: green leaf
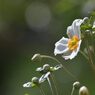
pixel 86 27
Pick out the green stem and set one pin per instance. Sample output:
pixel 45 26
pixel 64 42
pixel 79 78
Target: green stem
pixel 92 42
pixel 64 68
pixel 50 57
pixel 72 92
pixel 90 57
pixel 50 85
pixel 54 82
pixel 84 54
pixel 69 72
pixel 41 90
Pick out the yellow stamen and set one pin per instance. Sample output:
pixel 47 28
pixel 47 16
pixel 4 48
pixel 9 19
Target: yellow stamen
pixel 73 42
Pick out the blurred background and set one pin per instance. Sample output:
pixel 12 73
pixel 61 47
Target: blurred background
pixel 33 26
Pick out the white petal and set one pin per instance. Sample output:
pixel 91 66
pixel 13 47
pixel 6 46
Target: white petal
pixel 78 46
pixel 71 55
pixel 47 75
pixel 93 25
pixel 59 49
pixel 44 77
pixel 76 27
pixel 67 54
pixel 61 46
pixel 70 31
pixel 39 69
pixel 41 79
pixel 63 40
pixel 28 84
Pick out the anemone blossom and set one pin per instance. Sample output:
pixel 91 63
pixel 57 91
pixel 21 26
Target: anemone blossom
pixel 69 47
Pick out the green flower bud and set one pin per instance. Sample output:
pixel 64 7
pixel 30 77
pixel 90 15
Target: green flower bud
pixel 35 80
pixel 52 69
pixel 83 91
pixel 76 85
pixel 46 68
pixel 36 57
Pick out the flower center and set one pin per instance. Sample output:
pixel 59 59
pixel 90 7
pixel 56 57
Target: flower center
pixel 73 42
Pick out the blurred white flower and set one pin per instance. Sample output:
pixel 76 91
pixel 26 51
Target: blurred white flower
pixel 69 47
pixel 93 25
pixel 28 84
pixel 37 81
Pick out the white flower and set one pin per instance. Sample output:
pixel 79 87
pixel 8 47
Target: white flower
pixel 69 47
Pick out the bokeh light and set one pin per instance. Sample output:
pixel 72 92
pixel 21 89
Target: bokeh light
pixel 38 15
pixel 88 7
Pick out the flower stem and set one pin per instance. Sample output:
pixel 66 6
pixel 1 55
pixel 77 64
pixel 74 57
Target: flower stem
pixel 50 85
pixel 50 57
pixel 69 72
pixel 92 42
pixel 72 92
pixel 90 57
pixel 84 54
pixel 54 82
pixel 64 68
pixel 41 90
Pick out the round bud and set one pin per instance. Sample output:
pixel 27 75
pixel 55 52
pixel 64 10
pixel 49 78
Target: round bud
pixel 36 57
pixel 46 67
pixel 76 85
pixel 83 91
pixel 35 80
pixel 52 69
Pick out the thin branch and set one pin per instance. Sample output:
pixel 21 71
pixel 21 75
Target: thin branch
pixel 72 92
pixel 50 85
pixel 41 90
pixel 54 82
pixel 50 57
pixel 64 68
pixel 84 54
pixel 90 57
